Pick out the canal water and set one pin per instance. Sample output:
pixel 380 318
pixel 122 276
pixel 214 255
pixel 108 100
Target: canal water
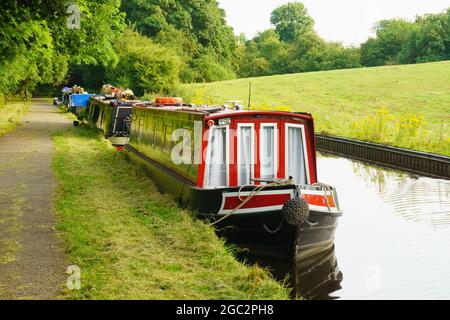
pixel 393 241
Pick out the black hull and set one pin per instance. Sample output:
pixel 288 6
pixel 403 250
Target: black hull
pixel 254 232
pixel 316 277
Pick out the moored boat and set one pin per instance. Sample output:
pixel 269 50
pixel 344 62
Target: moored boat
pixel 251 173
pixel 112 115
pixel 76 100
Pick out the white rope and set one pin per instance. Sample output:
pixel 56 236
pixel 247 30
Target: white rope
pixel 252 194
pixel 325 188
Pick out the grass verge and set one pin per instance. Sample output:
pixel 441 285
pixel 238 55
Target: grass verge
pixel 406 106
pixel 11 115
pixel 131 242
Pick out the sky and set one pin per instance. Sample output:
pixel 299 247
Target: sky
pixel 348 21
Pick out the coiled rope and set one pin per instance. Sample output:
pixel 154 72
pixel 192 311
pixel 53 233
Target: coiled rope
pixel 326 188
pixel 252 194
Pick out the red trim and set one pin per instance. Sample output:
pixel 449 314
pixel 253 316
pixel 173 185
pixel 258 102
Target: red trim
pixel 202 166
pixel 257 167
pixel 282 151
pixel 257 201
pixel 233 155
pixel 319 200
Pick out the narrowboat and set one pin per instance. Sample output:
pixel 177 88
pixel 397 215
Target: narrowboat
pixel 251 173
pixel 112 116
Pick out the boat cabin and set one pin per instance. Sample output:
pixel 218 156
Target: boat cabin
pixel 229 148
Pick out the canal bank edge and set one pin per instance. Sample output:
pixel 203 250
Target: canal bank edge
pixel 428 164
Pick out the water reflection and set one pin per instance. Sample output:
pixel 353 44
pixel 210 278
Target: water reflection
pixel 316 277
pixel 418 199
pixel 391 243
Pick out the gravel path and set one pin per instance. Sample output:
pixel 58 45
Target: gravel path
pixel 32 261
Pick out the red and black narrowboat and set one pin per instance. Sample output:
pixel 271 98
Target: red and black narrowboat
pixel 252 173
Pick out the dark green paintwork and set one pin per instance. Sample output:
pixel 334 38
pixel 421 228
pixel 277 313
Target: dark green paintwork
pixel 151 133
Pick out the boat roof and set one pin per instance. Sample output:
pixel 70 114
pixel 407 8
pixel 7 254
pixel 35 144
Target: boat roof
pixel 216 112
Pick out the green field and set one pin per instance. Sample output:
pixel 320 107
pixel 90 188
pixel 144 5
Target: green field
pixel 131 242
pixel 406 106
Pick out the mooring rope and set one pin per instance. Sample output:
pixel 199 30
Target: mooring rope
pixel 325 188
pixel 274 231
pixel 252 194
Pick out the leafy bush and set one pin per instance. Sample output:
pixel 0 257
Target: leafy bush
pixel 207 69
pixel 196 30
pixel 144 65
pixel 37 45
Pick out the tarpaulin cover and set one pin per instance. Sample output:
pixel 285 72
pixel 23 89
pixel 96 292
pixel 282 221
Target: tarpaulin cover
pixel 79 100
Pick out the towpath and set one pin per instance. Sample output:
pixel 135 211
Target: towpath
pixel 32 261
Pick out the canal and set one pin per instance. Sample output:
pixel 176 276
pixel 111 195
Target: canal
pixel 393 241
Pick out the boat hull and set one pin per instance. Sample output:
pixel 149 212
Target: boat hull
pixel 268 235
pixel 264 233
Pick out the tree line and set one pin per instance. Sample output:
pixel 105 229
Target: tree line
pixel 293 46
pixel 151 45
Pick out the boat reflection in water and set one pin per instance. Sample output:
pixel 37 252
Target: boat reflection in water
pixel 316 277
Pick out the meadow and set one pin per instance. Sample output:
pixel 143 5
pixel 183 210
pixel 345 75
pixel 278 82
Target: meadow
pixel 406 106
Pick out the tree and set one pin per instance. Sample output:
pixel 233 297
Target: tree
pixel 429 41
pixel 391 36
pixel 144 66
pixel 291 21
pixel 251 62
pixel 36 45
pixel 207 69
pixel 27 50
pixel 198 26
pixel 101 25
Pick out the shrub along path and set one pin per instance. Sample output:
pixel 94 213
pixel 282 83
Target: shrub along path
pixel 32 262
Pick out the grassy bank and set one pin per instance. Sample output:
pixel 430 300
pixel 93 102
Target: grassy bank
pixel 11 115
pixel 406 106
pixel 132 242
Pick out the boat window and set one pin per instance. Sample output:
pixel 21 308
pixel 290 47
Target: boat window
pixel 245 154
pixel 216 170
pixel 295 154
pixel 268 151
